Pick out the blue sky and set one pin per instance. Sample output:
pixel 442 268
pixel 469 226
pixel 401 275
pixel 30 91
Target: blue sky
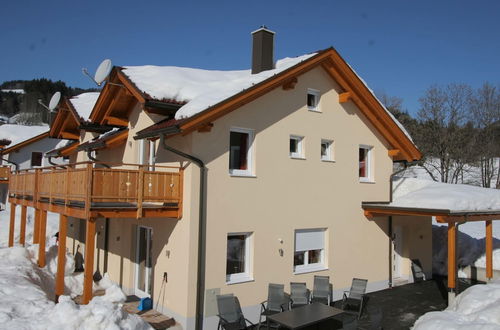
pixel 400 47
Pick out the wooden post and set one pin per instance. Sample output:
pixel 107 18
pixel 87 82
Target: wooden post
pixel 22 234
pixel 452 261
pixel 489 250
pixel 140 191
pixel 61 256
pixel 89 261
pixel 12 224
pixel 42 238
pixel 36 227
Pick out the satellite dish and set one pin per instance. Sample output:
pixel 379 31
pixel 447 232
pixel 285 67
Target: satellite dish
pixel 54 101
pixel 103 71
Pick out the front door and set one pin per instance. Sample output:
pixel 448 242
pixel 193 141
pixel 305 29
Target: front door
pixel 143 268
pixel 397 241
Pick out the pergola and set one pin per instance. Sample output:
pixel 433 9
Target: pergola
pixel 411 203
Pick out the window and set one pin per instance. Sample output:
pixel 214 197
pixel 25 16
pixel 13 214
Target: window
pixel 238 258
pixel 365 163
pixel 313 100
pixel 326 150
pixel 296 148
pixel 309 250
pixel 36 158
pixel 240 151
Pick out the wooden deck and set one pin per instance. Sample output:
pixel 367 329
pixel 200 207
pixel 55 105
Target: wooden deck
pixel 86 190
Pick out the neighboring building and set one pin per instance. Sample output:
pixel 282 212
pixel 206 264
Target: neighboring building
pixel 288 155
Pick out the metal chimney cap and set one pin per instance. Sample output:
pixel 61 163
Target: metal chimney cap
pixel 263 28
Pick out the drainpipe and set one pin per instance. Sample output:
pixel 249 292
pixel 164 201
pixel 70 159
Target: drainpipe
pixel 92 158
pixel 200 292
pixel 11 162
pixel 49 159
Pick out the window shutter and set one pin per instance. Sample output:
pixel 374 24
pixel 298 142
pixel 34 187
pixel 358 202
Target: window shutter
pixel 309 239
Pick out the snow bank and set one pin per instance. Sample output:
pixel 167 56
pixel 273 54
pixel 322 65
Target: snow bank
pixel 84 104
pixel 199 88
pixel 19 133
pixel 478 307
pixel 411 192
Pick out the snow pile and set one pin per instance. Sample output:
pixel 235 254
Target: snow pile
pixel 478 307
pixel 199 88
pixel 84 103
pixel 411 192
pixel 19 133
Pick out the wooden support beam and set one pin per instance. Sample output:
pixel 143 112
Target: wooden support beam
pixel 22 233
pixel 61 256
pixel 452 258
pixel 89 261
pixel 36 226
pixel 394 152
pixel 206 128
pixel 489 250
pixel 290 83
pixel 344 97
pixel 42 238
pixel 12 224
pixel 116 121
pixel 70 136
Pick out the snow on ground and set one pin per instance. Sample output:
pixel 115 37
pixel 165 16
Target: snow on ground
pixel 27 291
pixel 19 133
pixel 84 103
pixel 199 88
pixel 478 307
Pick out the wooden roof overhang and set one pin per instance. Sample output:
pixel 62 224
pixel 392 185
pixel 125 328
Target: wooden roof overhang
pixel 66 122
pixel 374 210
pixel 109 141
pixel 25 143
pixel 120 95
pixel 353 89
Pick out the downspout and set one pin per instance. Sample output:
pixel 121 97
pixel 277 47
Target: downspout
pixel 200 296
pixel 49 159
pixel 92 158
pixel 11 162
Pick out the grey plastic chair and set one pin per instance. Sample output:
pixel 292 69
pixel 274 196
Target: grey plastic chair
pixel 356 296
pixel 299 294
pixel 230 314
pixel 321 290
pixel 277 302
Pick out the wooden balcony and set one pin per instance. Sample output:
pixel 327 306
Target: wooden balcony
pixel 90 190
pixel 4 174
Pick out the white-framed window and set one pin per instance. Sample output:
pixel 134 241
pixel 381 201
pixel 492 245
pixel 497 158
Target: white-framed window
pixel 365 163
pixel 309 254
pixel 296 146
pixel 238 258
pixel 240 151
pixel 326 150
pixel 313 97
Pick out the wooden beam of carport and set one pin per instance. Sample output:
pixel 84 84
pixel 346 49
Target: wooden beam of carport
pixel 489 249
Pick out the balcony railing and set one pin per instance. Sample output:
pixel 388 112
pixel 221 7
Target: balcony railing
pixel 100 185
pixel 4 174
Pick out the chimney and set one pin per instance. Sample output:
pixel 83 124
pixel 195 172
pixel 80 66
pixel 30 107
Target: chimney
pixel 262 50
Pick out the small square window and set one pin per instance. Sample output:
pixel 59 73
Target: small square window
pixel 238 257
pixel 296 146
pixel 326 150
pixel 365 163
pixel 240 152
pixel 36 158
pixel 313 97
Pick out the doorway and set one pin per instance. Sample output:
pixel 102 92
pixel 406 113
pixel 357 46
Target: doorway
pixel 143 267
pixel 397 250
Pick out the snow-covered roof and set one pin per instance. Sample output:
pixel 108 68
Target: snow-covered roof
pixel 19 133
pixel 198 88
pixel 17 91
pixel 426 194
pixel 84 103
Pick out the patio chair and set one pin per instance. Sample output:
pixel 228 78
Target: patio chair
pixel 277 302
pixel 299 294
pixel 417 270
pixel 230 314
pixel 356 296
pixel 321 290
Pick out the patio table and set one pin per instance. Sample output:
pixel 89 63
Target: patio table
pixel 304 316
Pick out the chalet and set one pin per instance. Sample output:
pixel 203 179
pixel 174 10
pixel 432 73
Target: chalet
pixel 200 182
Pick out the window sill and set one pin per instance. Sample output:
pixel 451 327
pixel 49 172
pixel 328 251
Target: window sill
pixel 242 175
pixel 328 160
pixel 298 157
pixel 310 270
pixel 242 279
pixel 365 180
pixel 314 110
